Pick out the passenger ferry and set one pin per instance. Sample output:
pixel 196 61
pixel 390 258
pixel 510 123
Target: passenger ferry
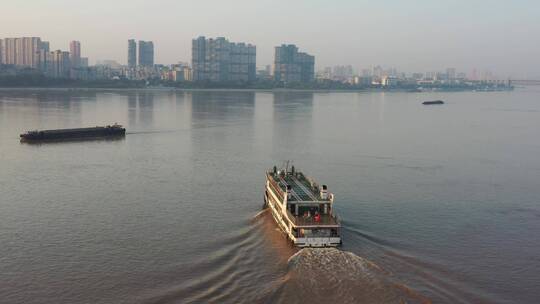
pixel 302 208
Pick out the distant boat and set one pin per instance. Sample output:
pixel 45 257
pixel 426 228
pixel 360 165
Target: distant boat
pixel 433 102
pixel 74 134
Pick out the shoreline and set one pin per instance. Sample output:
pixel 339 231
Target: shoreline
pixel 277 90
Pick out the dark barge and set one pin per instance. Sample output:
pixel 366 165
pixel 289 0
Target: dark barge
pixel 110 131
pixel 433 102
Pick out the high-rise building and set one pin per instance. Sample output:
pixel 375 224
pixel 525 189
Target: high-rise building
pixel 75 53
pixel 21 51
pixel 146 53
pixel 293 66
pixel 9 54
pixel 59 64
pixel 199 62
pixel 243 63
pixel 1 51
pixel 45 46
pixel 132 53
pixel 27 51
pixel 220 60
pixel 44 55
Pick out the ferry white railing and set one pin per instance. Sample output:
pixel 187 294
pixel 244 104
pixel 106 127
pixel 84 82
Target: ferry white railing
pixel 326 219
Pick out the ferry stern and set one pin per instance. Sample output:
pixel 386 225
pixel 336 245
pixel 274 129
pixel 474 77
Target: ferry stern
pixel 302 208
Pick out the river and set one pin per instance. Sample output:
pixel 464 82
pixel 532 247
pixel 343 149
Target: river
pixel 439 204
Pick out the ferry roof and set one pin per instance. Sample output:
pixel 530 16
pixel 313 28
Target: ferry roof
pixel 301 187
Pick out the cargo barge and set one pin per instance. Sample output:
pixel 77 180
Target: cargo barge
pixel 110 131
pixel 433 102
pixel 302 208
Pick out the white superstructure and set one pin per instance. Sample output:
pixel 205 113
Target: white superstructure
pixel 302 208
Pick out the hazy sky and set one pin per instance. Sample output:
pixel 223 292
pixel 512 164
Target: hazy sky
pixel 501 36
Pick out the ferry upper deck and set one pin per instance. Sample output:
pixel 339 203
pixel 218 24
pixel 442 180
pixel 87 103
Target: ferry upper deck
pixel 301 188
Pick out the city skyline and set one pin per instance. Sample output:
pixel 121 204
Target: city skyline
pixel 408 37
pixel 9 47
pixel 216 60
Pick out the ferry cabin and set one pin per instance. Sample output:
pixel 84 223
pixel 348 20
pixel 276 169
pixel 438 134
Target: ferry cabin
pixel 302 209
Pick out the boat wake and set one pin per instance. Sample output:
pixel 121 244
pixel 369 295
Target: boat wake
pixel 243 267
pixel 331 275
pixel 259 214
pixel 151 132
